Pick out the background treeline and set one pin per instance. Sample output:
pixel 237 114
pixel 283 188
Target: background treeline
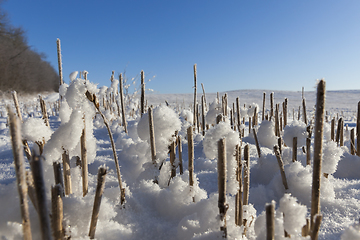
pixel 21 68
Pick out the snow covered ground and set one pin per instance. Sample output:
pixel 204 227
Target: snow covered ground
pixel 175 210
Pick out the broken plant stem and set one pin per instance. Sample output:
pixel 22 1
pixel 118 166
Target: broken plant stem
pixel 93 99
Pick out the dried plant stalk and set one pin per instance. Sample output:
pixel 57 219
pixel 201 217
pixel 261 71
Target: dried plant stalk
pixel 333 129
pixel 191 155
pixel 285 111
pixel 57 212
pixel 304 111
pixel 152 136
pixel 238 199
pixel 31 188
pixel 195 90
pixel 122 103
pixel 316 227
pixel 84 162
pixel 43 212
pixel 238 113
pixel 270 221
pixel 97 201
pixel 221 165
pixel 66 172
pixel 271 105
pixel 257 143
pixel 25 143
pixel 44 111
pixel 263 107
pixel 172 159
pixel 92 98
pixel 58 176
pixel 352 141
pixel 59 61
pixel 281 166
pixel 142 109
pixel 308 151
pixel 203 114
pixel 20 173
pixel 294 155
pixel 246 175
pixel 319 125
pixel 179 143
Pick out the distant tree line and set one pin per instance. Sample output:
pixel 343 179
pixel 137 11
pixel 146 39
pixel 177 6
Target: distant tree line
pixel 21 68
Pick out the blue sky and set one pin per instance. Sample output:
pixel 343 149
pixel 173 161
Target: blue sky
pixel 242 44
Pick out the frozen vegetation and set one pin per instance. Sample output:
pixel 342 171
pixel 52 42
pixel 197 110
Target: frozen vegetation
pixel 171 208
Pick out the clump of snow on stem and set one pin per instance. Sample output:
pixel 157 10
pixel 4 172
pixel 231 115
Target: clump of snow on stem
pixel 295 129
pixel 266 134
pixel 35 129
pixel 166 123
pixel 210 144
pixel 76 112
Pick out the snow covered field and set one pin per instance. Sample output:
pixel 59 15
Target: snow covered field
pixel 175 210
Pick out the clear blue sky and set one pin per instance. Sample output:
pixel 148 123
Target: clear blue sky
pixel 236 44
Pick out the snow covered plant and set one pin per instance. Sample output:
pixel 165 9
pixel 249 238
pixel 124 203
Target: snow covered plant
pixel 289 217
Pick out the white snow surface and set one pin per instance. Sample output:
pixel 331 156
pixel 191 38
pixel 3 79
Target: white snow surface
pixel 172 209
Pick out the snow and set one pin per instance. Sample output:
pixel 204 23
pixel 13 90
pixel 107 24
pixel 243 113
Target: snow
pixel 172 209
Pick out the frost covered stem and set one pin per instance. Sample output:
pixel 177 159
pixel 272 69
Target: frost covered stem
pixel 180 155
pixel 58 176
pixel 191 155
pixel 308 151
pixel 20 173
pixel 57 212
pixel 352 141
pixel 281 166
pixel 59 61
pixel 271 105
pixel 221 165
pixel 316 227
pixel 122 103
pixel 92 98
pixel 270 221
pixel 26 145
pixel 43 212
pixel 257 143
pixel 195 89
pixel 66 172
pixel 142 93
pixel 294 155
pixel 97 201
pixel 304 111
pixel 246 175
pixel 152 136
pixel 84 162
pixel 285 107
pixel 203 114
pixel 238 201
pixel 238 113
pixel 319 124
pixel 263 107
pixel 172 159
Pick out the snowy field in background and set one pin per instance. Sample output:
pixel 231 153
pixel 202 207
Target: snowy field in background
pixel 158 211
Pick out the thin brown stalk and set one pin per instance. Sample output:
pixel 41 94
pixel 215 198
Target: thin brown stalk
pixel 221 165
pixel 281 166
pixel 43 212
pixel 270 221
pixel 319 125
pixel 20 173
pixel 57 212
pixel 97 201
pixel 246 175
